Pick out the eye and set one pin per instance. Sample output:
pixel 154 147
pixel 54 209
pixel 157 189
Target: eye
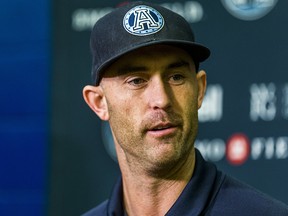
pixel 177 79
pixel 136 82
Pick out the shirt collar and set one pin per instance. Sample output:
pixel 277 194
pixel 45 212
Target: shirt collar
pixel 195 198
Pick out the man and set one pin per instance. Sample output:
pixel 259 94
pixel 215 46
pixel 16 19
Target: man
pixel 148 85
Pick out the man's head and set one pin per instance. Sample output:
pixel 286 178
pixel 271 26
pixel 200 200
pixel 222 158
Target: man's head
pixel 137 25
pixel 148 89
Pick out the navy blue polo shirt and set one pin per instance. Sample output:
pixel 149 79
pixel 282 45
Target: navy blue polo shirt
pixel 209 192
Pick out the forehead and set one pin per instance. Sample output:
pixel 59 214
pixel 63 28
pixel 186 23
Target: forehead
pixel 155 55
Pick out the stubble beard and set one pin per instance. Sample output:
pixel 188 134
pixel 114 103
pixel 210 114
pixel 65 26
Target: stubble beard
pixel 133 144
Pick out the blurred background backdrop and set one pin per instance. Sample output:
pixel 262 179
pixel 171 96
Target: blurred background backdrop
pixel 25 82
pixel 57 158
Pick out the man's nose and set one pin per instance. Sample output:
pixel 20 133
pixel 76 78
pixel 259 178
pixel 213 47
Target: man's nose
pixel 159 94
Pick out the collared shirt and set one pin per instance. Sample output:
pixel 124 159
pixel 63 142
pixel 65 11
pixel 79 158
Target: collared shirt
pixel 209 192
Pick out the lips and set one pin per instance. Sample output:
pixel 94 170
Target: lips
pixel 162 130
pixel 160 124
pixel 161 127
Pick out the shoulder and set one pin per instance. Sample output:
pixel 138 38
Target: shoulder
pixel 100 210
pixel 238 198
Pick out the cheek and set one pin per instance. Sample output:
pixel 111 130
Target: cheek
pixel 123 110
pixel 131 104
pixel 188 102
pixel 187 97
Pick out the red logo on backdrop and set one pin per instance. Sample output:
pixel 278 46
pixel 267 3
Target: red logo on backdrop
pixel 238 149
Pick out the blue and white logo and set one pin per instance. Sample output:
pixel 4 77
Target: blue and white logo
pixel 249 9
pixel 143 20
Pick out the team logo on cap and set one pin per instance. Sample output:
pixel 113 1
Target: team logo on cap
pixel 143 20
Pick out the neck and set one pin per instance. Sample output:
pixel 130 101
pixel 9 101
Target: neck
pixel 146 194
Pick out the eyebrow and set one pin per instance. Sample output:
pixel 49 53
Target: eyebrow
pixel 134 69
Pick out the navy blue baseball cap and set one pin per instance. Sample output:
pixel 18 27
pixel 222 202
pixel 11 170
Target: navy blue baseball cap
pixel 135 25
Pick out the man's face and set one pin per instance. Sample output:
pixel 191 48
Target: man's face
pixel 152 98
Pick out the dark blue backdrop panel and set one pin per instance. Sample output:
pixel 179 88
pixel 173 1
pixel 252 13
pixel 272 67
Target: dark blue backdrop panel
pixel 24 67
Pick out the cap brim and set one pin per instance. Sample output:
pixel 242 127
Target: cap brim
pixel 198 52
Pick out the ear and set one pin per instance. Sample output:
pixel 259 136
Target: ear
pixel 202 84
pixel 96 100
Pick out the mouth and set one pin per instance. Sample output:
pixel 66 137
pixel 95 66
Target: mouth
pixel 161 127
pixel 162 130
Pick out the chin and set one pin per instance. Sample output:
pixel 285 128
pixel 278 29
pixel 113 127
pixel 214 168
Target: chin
pixel 164 162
